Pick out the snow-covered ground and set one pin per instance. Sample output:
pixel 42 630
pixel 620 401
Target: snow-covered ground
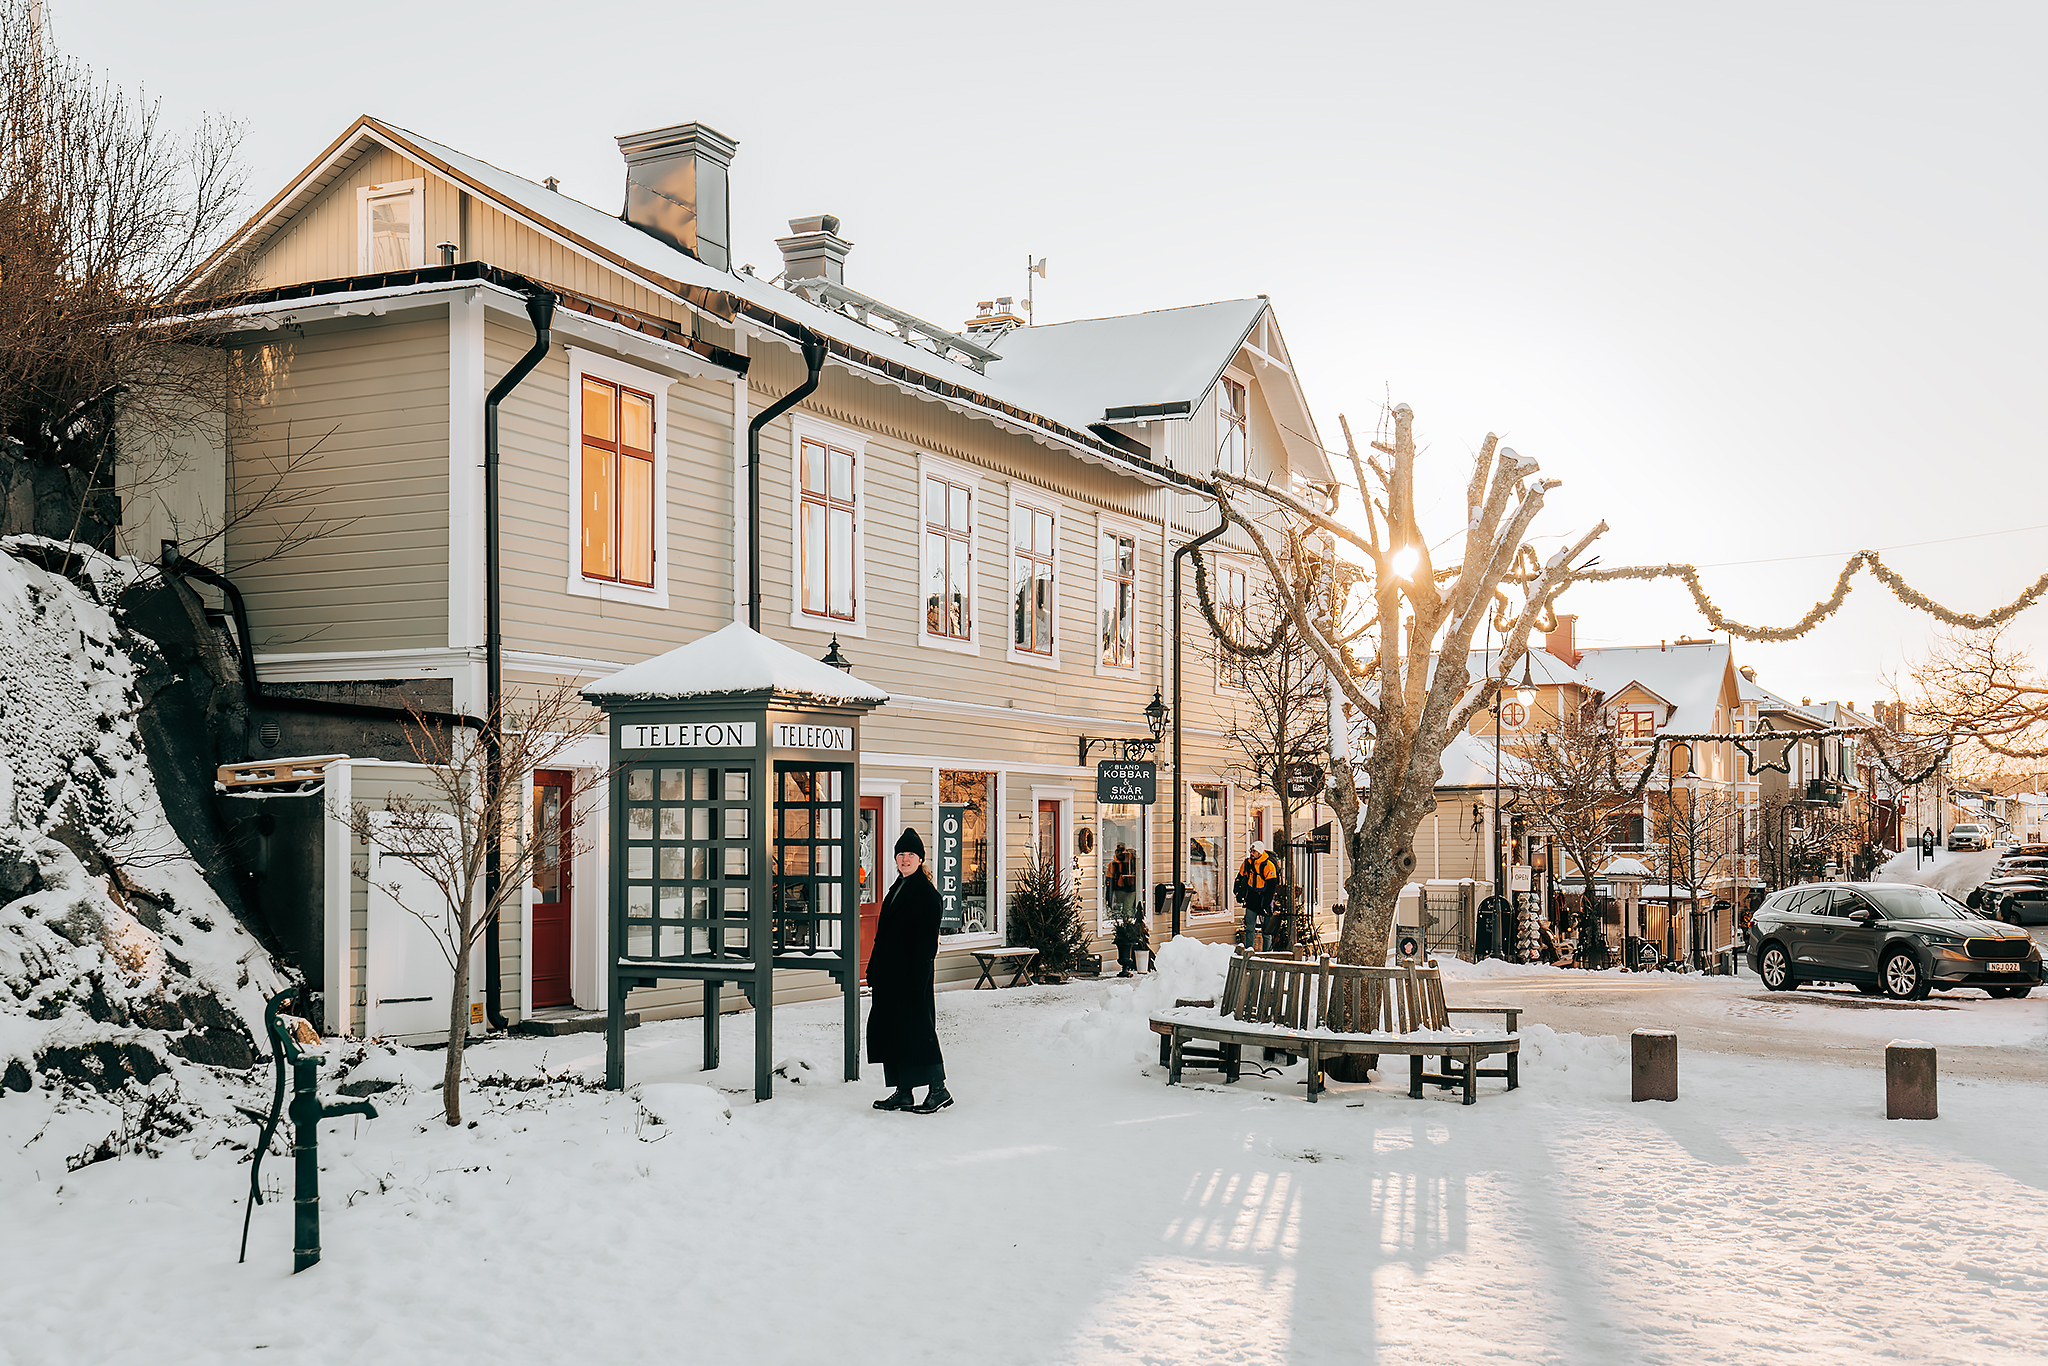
pixel 1073 1209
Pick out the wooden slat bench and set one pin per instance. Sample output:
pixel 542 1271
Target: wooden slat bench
pixel 1322 1010
pixel 1017 962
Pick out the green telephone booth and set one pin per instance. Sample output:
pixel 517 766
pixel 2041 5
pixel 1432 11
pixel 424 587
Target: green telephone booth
pixel 734 796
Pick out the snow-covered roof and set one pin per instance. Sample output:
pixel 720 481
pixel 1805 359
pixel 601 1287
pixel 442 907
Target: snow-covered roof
pixel 1625 867
pixel 1545 669
pixel 1068 377
pixel 1469 762
pixel 733 659
pixel 1688 677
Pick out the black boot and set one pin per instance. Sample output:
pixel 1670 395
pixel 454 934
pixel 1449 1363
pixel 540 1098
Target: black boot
pixel 900 1099
pixel 935 1100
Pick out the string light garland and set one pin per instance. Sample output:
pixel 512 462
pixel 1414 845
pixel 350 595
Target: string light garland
pixel 1827 607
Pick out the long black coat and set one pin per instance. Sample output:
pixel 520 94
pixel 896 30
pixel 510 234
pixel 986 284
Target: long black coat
pixel 902 1026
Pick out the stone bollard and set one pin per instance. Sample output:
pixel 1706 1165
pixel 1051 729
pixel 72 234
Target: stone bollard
pixel 1909 1079
pixel 1653 1055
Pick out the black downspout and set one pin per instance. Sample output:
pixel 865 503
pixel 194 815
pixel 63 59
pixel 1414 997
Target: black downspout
pixel 814 361
pixel 540 307
pixel 1180 845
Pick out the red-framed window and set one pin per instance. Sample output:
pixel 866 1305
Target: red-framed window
pixel 826 529
pixel 1635 723
pixel 949 559
pixel 618 483
pixel 1033 572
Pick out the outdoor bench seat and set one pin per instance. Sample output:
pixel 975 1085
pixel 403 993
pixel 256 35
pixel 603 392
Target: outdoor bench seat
pixel 1322 1010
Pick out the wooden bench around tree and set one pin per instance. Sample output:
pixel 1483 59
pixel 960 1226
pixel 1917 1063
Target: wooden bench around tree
pixel 1320 1010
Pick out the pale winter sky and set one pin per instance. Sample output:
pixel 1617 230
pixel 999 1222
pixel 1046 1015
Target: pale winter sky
pixel 1761 283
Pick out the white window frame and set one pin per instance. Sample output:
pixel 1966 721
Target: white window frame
pixel 1221 564
pixel 1143 849
pixel 802 425
pixel 970 479
pixel 1022 498
pixel 1106 525
pixel 365 194
pixel 1244 382
pixel 1228 909
pixel 600 366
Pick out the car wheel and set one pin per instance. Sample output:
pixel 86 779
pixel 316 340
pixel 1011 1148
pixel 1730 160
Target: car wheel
pixel 1775 967
pixel 2011 917
pixel 1903 978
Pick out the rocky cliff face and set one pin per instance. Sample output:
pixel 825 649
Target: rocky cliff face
pixel 121 968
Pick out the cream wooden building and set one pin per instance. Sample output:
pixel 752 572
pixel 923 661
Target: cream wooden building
pixel 983 517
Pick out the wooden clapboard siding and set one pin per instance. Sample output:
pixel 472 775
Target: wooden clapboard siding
pixel 540 614
pixel 362 408
pixel 322 241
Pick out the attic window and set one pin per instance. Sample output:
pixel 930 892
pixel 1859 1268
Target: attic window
pixel 390 231
pixel 1231 414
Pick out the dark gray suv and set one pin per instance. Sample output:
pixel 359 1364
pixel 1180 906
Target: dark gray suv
pixel 1892 937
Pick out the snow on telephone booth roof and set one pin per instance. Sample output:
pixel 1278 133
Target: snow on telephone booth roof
pixel 1625 868
pixel 733 659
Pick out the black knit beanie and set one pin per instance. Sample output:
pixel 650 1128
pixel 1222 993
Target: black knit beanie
pixel 910 843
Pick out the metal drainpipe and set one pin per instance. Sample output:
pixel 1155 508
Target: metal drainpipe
pixel 1180 845
pixel 540 307
pixel 814 362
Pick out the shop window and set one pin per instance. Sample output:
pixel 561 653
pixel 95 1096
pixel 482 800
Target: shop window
pixel 980 907
pixel 1122 867
pixel 1209 871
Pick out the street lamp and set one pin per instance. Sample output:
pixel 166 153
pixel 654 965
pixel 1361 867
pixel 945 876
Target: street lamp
pixel 1155 717
pixel 836 659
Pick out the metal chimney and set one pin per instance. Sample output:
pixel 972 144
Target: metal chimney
pixel 814 250
pixel 676 189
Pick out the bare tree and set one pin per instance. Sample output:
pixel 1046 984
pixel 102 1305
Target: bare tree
pixel 104 211
pixel 472 802
pixel 1282 717
pixel 1978 686
pixel 1571 780
pixel 1697 831
pixel 1408 681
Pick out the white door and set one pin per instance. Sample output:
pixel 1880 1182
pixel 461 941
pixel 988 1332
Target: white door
pixel 407 978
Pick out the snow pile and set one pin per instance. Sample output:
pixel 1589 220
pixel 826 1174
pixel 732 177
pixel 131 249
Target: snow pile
pixel 121 967
pixel 1185 969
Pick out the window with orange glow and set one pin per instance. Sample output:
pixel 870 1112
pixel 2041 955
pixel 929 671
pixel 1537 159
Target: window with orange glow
pixel 618 483
pixel 825 529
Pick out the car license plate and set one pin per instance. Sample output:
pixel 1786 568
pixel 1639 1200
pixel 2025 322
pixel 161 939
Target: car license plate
pixel 2003 967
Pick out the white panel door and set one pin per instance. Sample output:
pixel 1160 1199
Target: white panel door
pixel 407 977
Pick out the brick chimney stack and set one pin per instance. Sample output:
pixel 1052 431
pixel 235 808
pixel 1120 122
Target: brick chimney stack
pixel 1561 642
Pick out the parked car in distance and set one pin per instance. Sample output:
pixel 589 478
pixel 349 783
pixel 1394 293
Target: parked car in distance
pixel 2020 867
pixel 1968 836
pixel 1896 938
pixel 2018 903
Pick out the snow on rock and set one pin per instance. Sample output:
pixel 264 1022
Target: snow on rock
pixel 121 967
pixel 733 659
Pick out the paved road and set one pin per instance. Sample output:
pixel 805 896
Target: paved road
pixel 1976 1036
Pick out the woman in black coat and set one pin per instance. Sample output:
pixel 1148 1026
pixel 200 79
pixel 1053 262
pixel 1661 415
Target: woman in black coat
pixel 903 1032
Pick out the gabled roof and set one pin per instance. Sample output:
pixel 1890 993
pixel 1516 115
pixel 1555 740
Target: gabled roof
pixel 1163 363
pixel 1689 679
pixel 1058 387
pixel 733 659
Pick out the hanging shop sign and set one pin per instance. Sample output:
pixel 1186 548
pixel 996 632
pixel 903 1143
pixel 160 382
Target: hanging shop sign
pixel 947 865
pixel 1124 782
pixel 1318 841
pixel 1303 780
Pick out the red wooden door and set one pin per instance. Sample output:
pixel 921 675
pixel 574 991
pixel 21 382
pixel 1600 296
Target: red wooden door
pixel 550 948
pixel 1050 850
pixel 872 876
